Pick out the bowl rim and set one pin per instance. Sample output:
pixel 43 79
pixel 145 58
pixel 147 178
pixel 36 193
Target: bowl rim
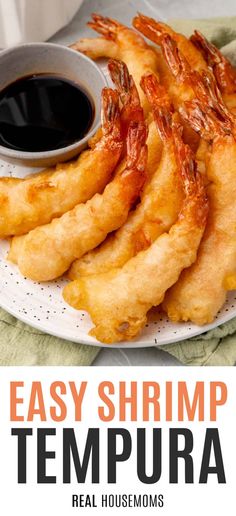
pixel 40 155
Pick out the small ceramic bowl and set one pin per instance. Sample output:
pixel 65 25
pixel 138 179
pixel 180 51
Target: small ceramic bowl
pixel 38 58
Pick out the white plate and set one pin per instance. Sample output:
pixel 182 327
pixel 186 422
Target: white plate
pixel 41 304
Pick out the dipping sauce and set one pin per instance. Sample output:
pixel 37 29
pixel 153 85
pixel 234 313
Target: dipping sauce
pixel 44 112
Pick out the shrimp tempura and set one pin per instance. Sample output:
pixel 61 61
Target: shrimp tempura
pixel 223 70
pixel 201 289
pixel 118 301
pixel 155 31
pixel 160 202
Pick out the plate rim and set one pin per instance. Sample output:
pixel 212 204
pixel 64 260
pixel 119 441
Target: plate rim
pixel 125 344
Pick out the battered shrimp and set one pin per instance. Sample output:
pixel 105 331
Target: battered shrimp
pixel 160 204
pixel 48 251
pixel 36 200
pixel 118 301
pixel 122 43
pixel 201 289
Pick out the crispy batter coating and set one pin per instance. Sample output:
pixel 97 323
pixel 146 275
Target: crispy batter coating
pixel 131 110
pixel 122 43
pixel 48 251
pixel 153 216
pixel 201 289
pixel 159 206
pixel 165 250
pixel 118 301
pixel 28 203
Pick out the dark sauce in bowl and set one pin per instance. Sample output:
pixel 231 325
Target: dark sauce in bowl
pixel 44 112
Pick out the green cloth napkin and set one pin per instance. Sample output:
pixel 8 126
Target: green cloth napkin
pixel 216 347
pixel 219 31
pixel 23 345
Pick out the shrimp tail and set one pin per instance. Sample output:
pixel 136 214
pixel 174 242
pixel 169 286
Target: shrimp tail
pixel 132 109
pixel 136 145
pixel 151 28
pixel 133 177
pixel 223 70
pixel 161 105
pixel 215 99
pixel 181 69
pixel 210 53
pixel 191 179
pixel 177 63
pixel 185 160
pixel 204 123
pixel 208 93
pixel 105 26
pixel 124 83
pixel 110 113
pixel 120 76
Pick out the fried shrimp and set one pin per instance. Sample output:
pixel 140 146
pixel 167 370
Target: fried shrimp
pixel 48 251
pixel 154 215
pixel 118 301
pixel 201 289
pixel 122 43
pixel 36 200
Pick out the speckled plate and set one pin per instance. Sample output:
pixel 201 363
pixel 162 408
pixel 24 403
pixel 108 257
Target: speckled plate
pixel 41 304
